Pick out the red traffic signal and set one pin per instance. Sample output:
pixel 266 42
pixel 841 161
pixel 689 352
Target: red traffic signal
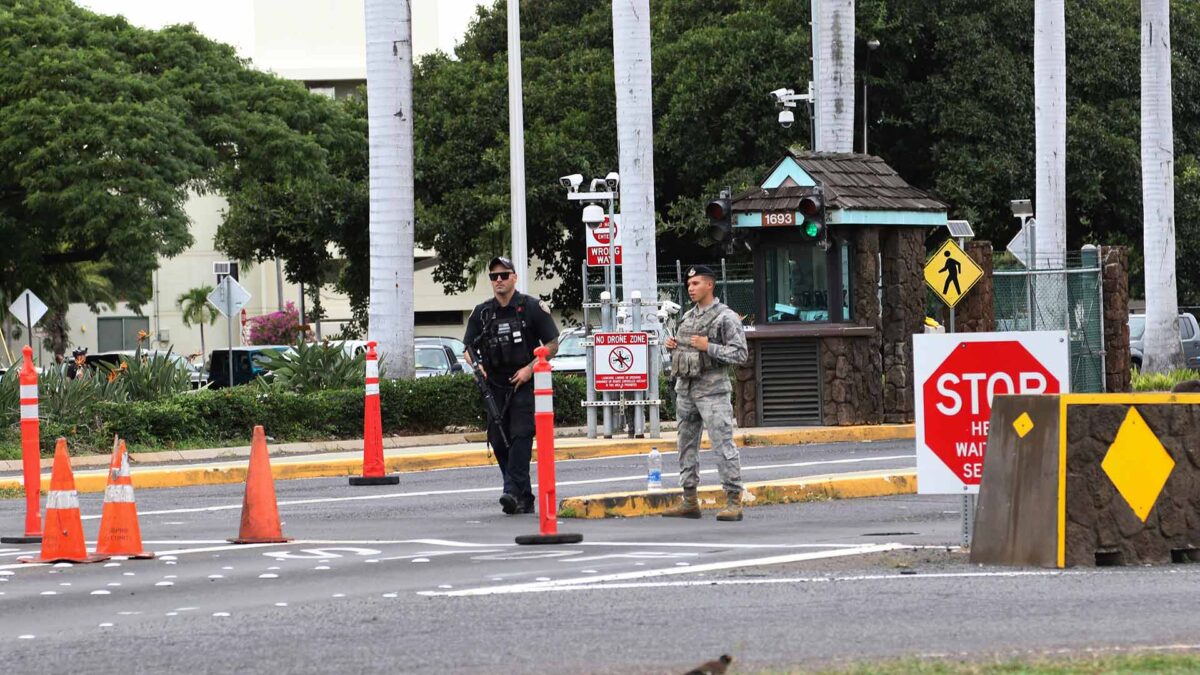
pixel 720 217
pixel 718 209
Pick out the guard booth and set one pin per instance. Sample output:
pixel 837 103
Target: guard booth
pixel 839 293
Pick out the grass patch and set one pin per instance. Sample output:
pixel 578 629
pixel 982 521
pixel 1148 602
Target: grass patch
pixel 567 513
pixel 1162 381
pixel 7 492
pixel 1147 662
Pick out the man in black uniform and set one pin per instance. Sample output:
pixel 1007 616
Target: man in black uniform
pixel 503 332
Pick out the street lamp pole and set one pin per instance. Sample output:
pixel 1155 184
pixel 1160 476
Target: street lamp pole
pixel 872 45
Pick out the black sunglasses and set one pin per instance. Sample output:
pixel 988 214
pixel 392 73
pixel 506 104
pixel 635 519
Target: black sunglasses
pixel 499 276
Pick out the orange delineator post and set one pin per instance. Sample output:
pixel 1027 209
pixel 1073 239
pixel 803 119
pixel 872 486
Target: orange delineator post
pixel 120 534
pixel 373 472
pixel 543 417
pixel 31 452
pixel 63 540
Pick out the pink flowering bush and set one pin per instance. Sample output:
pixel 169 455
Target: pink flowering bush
pixel 276 328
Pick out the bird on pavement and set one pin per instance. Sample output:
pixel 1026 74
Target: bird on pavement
pixel 717 667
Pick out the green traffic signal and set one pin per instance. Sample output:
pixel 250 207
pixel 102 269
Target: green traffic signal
pixel 812 229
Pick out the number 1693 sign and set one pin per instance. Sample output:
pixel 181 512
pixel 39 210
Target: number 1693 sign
pixel 956 378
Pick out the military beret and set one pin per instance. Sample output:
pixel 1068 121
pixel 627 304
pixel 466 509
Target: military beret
pixel 701 271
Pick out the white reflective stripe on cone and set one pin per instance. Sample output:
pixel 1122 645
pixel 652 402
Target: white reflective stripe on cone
pixel 29 391
pixel 372 368
pixel 542 381
pixel 62 499
pixel 29 411
pixel 372 388
pixel 543 404
pixel 119 494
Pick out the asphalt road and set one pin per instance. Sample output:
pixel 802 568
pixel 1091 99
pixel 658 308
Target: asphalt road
pixel 424 577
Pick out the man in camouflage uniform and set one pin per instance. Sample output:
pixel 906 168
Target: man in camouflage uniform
pixel 709 340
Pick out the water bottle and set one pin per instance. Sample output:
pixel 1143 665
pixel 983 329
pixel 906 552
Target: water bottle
pixel 654 470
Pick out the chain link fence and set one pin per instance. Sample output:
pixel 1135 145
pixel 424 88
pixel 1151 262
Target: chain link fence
pixel 735 283
pixel 1066 297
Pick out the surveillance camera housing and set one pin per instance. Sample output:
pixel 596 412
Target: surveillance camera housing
pixel 778 94
pixel 669 308
pixel 613 180
pixel 593 215
pixel 572 182
pixel 786 118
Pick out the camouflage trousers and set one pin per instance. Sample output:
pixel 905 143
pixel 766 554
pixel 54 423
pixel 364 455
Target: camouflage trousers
pixel 713 412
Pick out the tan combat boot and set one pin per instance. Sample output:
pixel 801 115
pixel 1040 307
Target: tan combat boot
pixel 688 508
pixel 733 507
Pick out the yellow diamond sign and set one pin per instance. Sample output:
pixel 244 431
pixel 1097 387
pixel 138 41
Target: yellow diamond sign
pixel 1023 425
pixel 1137 464
pixel 950 272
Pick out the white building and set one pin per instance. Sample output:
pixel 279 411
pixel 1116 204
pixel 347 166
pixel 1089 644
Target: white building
pixel 319 42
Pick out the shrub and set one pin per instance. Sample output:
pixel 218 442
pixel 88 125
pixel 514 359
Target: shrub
pixel 1162 381
pixel 314 367
pixel 276 328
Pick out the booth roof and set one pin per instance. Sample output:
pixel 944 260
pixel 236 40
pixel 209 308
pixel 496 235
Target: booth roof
pixel 851 181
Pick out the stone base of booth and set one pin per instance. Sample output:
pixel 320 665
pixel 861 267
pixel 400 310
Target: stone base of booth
pixel 1090 479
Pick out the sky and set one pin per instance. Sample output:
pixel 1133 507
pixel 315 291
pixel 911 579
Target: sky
pixel 232 21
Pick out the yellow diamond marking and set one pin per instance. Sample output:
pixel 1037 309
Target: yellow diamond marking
pixel 1023 425
pixel 1137 464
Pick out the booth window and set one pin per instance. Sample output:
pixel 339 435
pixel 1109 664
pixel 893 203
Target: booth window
pixel 808 283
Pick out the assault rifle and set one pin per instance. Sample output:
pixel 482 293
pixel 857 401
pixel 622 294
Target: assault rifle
pixel 489 401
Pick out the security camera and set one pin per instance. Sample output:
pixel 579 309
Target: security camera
pixel 593 215
pixel 598 185
pixel 612 180
pixel 778 94
pixel 786 118
pixel 572 182
pixel 670 308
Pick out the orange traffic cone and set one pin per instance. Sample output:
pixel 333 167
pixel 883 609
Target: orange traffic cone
pixel 260 513
pixel 62 536
pixel 119 530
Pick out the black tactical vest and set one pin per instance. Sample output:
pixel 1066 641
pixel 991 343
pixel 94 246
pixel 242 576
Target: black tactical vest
pixel 506 346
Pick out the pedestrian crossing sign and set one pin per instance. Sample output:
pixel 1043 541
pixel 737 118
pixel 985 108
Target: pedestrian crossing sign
pixel 950 272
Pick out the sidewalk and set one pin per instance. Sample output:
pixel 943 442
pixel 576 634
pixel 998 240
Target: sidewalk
pixel 183 468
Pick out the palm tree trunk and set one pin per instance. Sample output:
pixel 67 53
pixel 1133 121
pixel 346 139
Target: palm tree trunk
pixel 833 56
pixel 1163 351
pixel 390 123
pixel 635 143
pixel 203 349
pixel 1050 132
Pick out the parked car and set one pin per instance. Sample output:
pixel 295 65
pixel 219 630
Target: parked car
pixel 572 355
pixel 456 346
pixel 435 359
pixel 247 364
pixel 1189 334
pixel 195 373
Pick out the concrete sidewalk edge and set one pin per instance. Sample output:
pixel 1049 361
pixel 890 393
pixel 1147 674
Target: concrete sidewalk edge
pixel 290 468
pixel 763 493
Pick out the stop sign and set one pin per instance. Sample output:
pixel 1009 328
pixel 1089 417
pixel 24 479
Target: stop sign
pixel 955 391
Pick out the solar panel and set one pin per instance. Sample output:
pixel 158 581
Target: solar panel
pixel 960 229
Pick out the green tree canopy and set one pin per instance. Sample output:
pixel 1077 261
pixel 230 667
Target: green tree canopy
pixel 106 129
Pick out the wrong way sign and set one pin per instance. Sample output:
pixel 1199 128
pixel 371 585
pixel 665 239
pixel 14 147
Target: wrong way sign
pixel 956 376
pixel 598 239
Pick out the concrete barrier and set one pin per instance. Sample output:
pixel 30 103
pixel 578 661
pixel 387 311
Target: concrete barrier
pixel 1090 479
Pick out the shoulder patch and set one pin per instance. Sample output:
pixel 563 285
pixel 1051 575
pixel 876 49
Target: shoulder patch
pixel 544 306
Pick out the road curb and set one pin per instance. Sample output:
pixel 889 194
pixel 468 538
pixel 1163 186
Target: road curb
pixel 786 491
pixel 284 468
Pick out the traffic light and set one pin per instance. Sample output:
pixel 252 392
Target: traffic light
pixel 812 208
pixel 720 217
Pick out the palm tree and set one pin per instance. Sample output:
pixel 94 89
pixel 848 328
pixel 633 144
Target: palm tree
pixel 1050 132
pixel 390 125
pixel 197 311
pixel 86 282
pixel 833 74
pixel 1163 350
pixel 635 141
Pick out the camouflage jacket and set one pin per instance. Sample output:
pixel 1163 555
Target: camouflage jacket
pixel 726 347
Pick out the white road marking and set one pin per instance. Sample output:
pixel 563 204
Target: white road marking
pixel 320 553
pixel 431 493
pixel 598 581
pixel 802 580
